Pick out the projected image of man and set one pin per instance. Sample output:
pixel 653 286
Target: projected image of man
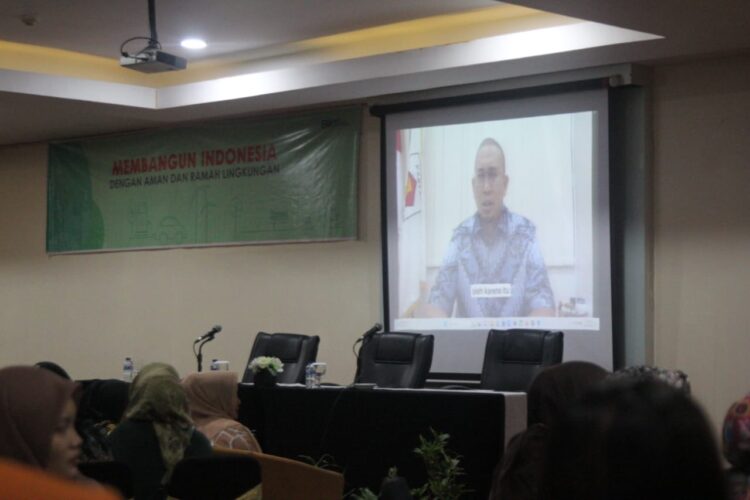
pixel 493 266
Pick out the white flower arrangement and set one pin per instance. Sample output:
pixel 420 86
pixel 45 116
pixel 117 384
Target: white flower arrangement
pixel 269 363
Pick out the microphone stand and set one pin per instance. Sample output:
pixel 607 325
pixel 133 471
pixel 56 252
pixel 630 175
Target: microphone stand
pixel 364 339
pixel 199 354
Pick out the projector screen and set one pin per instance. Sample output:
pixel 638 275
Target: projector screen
pixel 497 217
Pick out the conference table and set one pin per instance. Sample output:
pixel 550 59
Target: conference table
pixel 363 432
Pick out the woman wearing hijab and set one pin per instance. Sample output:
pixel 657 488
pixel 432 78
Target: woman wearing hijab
pixel 214 407
pixel 521 469
pixel 156 431
pixel 735 437
pixel 37 417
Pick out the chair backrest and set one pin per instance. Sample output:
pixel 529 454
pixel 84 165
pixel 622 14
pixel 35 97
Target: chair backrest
pixel 218 477
pixel 396 359
pixel 286 479
pixel 512 358
pixel 294 350
pixel 111 473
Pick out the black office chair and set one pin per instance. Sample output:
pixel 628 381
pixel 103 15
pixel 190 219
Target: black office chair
pixel 294 350
pixel 396 359
pixel 512 358
pixel 218 477
pixel 110 473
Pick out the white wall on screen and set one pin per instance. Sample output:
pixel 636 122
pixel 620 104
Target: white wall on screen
pixel 411 228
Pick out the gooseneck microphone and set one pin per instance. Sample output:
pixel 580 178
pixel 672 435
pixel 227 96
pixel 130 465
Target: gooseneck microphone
pixel 364 339
pixel 372 331
pixel 210 334
pixel 203 339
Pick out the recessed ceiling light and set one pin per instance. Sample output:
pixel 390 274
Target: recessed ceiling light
pixel 193 43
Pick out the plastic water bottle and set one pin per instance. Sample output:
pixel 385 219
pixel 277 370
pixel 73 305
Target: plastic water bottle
pixel 310 376
pixel 127 370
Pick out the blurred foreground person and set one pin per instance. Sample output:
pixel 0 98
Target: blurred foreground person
pixel 37 420
pixel 736 446
pixel 633 439
pixel 520 471
pixel 21 482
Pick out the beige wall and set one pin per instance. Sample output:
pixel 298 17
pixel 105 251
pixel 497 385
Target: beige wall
pixel 88 312
pixel 702 226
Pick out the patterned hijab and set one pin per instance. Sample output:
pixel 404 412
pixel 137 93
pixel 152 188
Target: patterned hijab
pixel 156 396
pixel 736 434
pixel 677 379
pixel 31 402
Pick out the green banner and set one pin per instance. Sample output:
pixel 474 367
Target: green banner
pixel 232 182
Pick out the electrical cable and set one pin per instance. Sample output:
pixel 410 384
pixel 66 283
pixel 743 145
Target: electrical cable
pixel 152 45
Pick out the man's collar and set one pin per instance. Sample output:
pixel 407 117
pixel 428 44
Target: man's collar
pixel 502 223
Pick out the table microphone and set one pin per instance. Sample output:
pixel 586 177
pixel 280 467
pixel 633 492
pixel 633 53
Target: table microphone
pixel 372 331
pixel 210 334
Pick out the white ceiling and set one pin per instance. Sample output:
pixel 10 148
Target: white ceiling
pixel 258 36
pixel 99 26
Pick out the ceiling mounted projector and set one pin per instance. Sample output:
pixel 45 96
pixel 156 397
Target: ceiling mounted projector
pixel 153 61
pixel 150 59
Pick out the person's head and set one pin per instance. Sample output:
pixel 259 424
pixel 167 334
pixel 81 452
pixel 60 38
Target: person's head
pixel 54 368
pixel 630 439
pixel 212 395
pixel 557 387
pixel 735 435
pixel 490 181
pixel 156 394
pixel 675 378
pixel 104 399
pixel 37 417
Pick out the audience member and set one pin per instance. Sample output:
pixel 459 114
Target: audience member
pixel 520 471
pixel 22 482
pixel 156 431
pixel 54 368
pixel 37 416
pixel 736 447
pixel 675 378
pixel 214 407
pixel 633 439
pixel 102 405
pixel 555 388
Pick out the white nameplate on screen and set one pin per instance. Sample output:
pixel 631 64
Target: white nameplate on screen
pixel 491 290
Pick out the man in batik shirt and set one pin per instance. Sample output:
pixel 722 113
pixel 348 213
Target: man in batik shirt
pixel 493 266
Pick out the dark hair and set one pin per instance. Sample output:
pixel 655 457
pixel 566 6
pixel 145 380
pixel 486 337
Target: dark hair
pixel 54 368
pixel 555 387
pixel 103 399
pixel 633 439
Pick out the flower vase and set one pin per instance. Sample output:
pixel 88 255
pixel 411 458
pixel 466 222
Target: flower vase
pixel 264 378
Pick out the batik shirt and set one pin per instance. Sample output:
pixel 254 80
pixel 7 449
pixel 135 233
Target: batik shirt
pixel 512 262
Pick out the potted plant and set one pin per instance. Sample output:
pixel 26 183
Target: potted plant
pixel 265 369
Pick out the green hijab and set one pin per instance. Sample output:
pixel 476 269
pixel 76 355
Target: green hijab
pixel 157 396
